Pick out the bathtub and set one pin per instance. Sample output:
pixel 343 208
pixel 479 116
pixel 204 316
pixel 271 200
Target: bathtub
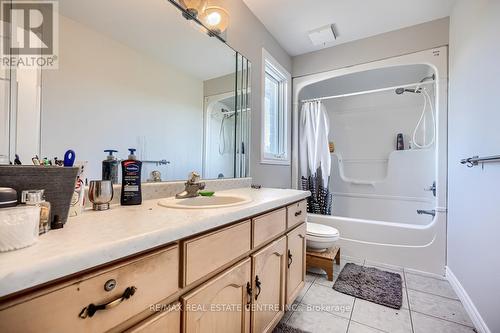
pixel 417 246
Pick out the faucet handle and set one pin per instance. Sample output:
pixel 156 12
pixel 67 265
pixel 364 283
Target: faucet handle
pixel 194 177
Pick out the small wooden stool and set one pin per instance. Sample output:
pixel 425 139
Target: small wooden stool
pixel 324 260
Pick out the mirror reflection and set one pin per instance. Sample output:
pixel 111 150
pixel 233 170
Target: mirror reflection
pixel 160 85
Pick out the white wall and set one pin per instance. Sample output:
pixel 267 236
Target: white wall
pixel 248 36
pixel 408 40
pixel 474 117
pixel 106 95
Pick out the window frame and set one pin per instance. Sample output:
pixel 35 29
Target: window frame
pixel 273 69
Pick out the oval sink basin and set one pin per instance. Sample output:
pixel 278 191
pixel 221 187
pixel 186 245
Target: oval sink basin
pixel 216 201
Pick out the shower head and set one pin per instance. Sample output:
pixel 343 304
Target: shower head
pixel 401 91
pixel 417 90
pixel 226 113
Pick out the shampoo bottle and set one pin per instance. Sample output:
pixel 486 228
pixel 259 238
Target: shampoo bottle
pixel 400 143
pixel 131 181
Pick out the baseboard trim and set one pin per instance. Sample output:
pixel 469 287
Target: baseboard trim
pixel 469 306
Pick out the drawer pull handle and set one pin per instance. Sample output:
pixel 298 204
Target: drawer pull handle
pixel 258 286
pixel 290 258
pixel 91 309
pixel 249 294
pixel 298 213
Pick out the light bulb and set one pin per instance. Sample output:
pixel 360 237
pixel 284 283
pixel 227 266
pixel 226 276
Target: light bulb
pixel 216 19
pixel 213 19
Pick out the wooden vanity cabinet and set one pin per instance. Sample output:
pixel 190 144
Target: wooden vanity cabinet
pixel 220 305
pixel 66 307
pixel 296 262
pixel 296 214
pixel 268 226
pixel 167 321
pixel 268 279
pixel 237 278
pixel 207 253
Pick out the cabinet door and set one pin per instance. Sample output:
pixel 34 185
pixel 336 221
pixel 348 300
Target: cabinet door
pixel 167 321
pixel 269 271
pixel 296 265
pixel 222 304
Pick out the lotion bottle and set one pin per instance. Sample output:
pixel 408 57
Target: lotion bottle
pixel 131 193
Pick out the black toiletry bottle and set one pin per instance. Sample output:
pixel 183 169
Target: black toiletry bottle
pixel 400 144
pixel 131 181
pixel 110 167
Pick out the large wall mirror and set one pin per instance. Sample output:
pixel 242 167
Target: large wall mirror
pixel 132 74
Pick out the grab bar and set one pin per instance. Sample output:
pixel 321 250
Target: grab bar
pixel 158 163
pixel 475 160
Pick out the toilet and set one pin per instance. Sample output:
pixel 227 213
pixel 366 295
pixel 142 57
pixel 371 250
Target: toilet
pixel 320 237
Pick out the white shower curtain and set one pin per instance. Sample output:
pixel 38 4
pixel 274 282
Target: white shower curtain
pixel 314 156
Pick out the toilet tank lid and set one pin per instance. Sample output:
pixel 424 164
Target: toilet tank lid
pixel 320 230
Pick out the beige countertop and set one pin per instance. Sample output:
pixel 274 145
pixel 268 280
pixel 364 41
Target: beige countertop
pixel 96 238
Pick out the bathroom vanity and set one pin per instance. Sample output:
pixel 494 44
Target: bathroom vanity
pixel 156 269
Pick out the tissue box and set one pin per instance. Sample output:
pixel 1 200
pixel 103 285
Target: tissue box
pixel 58 183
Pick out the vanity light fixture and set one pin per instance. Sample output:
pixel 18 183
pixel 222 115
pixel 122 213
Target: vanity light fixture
pixel 194 7
pixel 216 19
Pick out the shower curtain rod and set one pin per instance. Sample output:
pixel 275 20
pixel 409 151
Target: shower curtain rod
pixel 367 91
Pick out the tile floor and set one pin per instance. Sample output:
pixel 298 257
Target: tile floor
pixel 429 306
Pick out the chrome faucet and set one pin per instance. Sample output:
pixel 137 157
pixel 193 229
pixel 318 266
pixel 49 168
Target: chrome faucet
pixel 193 185
pixel 426 212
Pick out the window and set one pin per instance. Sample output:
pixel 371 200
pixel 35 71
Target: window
pixel 275 129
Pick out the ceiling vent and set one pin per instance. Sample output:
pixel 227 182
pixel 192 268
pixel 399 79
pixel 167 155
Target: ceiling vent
pixel 324 35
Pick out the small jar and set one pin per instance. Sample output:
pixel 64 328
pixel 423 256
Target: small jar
pixel 35 198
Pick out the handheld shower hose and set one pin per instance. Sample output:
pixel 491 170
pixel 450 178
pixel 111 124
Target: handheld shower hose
pixel 427 100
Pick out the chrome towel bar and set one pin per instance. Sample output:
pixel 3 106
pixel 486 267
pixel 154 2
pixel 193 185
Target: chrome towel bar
pixel 475 160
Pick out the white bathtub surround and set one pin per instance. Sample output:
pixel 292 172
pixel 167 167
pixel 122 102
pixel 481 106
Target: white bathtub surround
pixel 96 238
pixel 170 189
pixel 377 190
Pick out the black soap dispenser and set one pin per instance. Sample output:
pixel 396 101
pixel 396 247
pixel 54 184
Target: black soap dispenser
pixel 131 180
pixel 110 167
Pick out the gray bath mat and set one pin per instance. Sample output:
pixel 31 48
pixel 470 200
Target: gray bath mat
pixel 284 328
pixel 371 284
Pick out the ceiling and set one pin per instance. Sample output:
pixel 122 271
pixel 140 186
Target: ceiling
pixel 157 29
pixel 289 21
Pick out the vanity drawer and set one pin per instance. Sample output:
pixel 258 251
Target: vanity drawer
pixel 268 226
pixel 207 253
pixel 168 321
pixel 297 213
pixel 155 277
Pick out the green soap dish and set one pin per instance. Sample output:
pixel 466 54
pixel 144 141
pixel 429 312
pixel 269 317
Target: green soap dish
pixel 206 193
